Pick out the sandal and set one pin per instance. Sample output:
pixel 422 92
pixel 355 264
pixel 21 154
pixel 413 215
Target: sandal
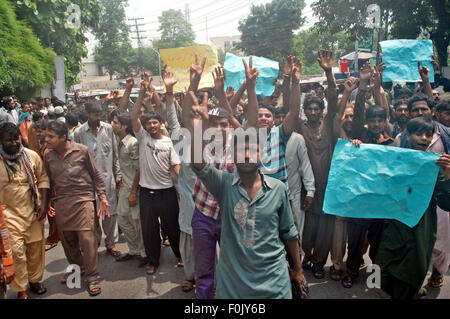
pixel 180 263
pixel 113 252
pixel 151 270
pixel 347 282
pixel 307 264
pixel 435 281
pixel 187 285
pixel 318 272
pixel 335 274
pixel 94 289
pixel 37 288
pixel 166 242
pixel 50 246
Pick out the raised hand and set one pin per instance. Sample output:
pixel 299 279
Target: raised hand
pixel 169 81
pixel 435 64
pixel 196 69
pixel 199 109
pixel 296 72
pixel 229 92
pixel 377 74
pixel 130 82
pixel 365 73
pixel 288 64
pixel 350 84
pixel 251 73
pixel 325 60
pixel 219 79
pixel 424 73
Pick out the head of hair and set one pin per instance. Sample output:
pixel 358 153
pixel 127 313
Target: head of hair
pixel 400 102
pixel 420 97
pixel 41 124
pixel 92 107
pixel 306 87
pixel 311 99
pixel 279 110
pixel 403 92
pixel 37 116
pixel 82 116
pixel 6 100
pixel 125 119
pixel 444 105
pixel 376 111
pixel 268 107
pixel 59 128
pixel 72 118
pixel 246 131
pixel 9 129
pixel 149 116
pixel 421 124
pixel 387 85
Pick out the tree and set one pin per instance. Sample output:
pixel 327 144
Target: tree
pixel 25 66
pixel 175 30
pixel 51 21
pixel 223 53
pixel 407 19
pixel 114 48
pixel 149 57
pixel 269 29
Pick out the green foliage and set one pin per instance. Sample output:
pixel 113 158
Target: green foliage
pixel 269 29
pixel 49 21
pixel 175 30
pixel 149 58
pixel 114 50
pixel 25 66
pixel 222 53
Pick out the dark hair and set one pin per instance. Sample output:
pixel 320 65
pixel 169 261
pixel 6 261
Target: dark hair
pixel 247 138
pixel 92 107
pixel 270 108
pixel 444 105
pixel 279 110
pixel 9 129
pixel 387 85
pixel 33 101
pixel 420 97
pixel 59 128
pixel 400 102
pixel 375 111
pixel 125 119
pixel 403 91
pixel 306 87
pixel 41 124
pixel 82 116
pixel 421 124
pixel 37 116
pixel 311 99
pixel 72 118
pixel 6 100
pixel 152 115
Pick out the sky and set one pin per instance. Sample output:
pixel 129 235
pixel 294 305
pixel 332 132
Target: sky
pixel 209 18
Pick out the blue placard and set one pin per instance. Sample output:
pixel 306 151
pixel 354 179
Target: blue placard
pixel 376 181
pixel 401 57
pixel 235 73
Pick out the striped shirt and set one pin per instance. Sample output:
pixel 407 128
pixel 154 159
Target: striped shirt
pixel 273 160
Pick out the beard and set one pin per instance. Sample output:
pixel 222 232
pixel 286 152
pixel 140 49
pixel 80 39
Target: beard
pixel 12 150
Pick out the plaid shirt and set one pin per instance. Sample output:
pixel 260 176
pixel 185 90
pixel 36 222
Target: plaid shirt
pixel 203 199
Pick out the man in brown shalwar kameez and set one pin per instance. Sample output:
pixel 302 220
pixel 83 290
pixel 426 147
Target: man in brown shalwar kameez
pixel 75 180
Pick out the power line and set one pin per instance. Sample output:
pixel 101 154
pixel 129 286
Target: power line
pixel 139 38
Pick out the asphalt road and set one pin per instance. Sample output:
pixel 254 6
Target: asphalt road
pixel 124 280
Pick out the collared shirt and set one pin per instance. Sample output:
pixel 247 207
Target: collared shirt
pixel 105 151
pixel 15 196
pixel 8 116
pixel 75 181
pixel 128 160
pixel 273 160
pixel 252 262
pixel 205 202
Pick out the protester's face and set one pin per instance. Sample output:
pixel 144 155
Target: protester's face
pixel 239 110
pixel 347 120
pixel 26 108
pixel 34 107
pixel 443 117
pixel 265 118
pixel 116 126
pixel 376 125
pixel 94 118
pixel 142 111
pixel 420 108
pixel 279 118
pixel 53 140
pixel 313 113
pixel 10 105
pixel 47 102
pixel 420 140
pixel 274 101
pixel 153 127
pixel 11 144
pixel 40 134
pixel 435 95
pixel 220 123
pixel 250 155
pixel 402 113
pixel 319 91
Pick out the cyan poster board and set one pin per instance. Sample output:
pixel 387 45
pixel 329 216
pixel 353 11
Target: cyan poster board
pixel 401 57
pixel 376 181
pixel 235 73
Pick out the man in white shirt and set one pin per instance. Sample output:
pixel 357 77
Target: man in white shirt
pixel 158 198
pixel 8 113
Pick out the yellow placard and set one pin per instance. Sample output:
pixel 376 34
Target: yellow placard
pixel 179 60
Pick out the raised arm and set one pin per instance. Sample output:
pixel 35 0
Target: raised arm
pixel 219 85
pixel 291 119
pixel 172 119
pixel 251 77
pixel 378 91
pixel 196 120
pixel 286 86
pixel 359 115
pixel 425 76
pixel 234 101
pixel 350 84
pixel 325 59
pixel 123 104
pixel 195 73
pixel 136 108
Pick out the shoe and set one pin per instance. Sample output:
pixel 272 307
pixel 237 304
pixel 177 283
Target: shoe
pixel 124 257
pixel 113 252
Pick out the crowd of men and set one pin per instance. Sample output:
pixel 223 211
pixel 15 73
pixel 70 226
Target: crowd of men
pixel 121 165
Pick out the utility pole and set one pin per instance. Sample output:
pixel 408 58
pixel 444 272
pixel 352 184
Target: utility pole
pixel 187 13
pixel 139 39
pixel 206 22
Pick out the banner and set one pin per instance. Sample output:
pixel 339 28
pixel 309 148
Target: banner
pixel 401 57
pixel 376 181
pixel 235 73
pixel 179 60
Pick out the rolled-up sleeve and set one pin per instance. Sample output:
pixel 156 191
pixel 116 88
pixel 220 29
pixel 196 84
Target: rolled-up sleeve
pixel 287 227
